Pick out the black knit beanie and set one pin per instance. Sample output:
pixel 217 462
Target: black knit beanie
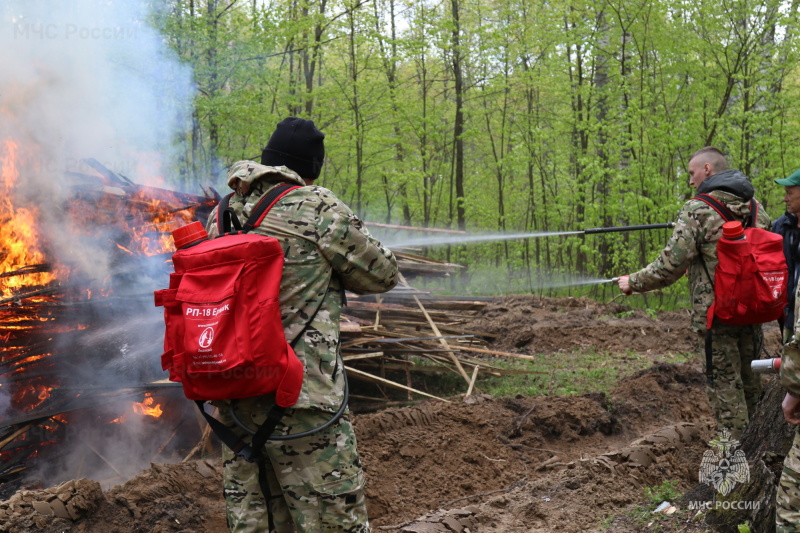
pixel 297 144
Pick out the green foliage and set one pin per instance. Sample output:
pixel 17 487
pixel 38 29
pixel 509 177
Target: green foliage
pixel 744 528
pixel 575 115
pixel 578 372
pixel 667 491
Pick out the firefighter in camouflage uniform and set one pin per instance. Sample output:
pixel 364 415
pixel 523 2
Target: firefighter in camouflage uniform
pixel 788 498
pixel 693 247
pixel 316 483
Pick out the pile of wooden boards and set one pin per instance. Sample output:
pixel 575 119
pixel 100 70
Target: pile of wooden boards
pixel 411 331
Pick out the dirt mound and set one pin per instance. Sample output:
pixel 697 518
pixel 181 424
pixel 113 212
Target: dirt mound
pixel 582 492
pixel 543 325
pixel 584 455
pixel 540 324
pixel 176 498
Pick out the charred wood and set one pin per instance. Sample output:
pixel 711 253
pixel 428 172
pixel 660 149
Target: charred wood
pixel 30 269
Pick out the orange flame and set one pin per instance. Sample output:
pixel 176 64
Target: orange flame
pixel 147 408
pixel 32 396
pixel 17 228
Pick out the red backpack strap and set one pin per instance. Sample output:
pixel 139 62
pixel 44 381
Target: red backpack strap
pixel 726 214
pixel 718 206
pixel 265 204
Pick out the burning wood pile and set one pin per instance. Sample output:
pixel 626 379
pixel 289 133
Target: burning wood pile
pixel 81 389
pixel 78 360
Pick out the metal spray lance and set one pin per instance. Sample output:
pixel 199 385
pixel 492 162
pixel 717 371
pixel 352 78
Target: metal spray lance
pixel 639 227
pixel 766 366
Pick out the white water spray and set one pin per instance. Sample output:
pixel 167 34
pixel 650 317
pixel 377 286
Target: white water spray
pixel 404 242
pixel 576 282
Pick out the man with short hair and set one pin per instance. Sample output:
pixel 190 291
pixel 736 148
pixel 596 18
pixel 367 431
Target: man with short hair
pixel 314 483
pixel 788 226
pixel 693 246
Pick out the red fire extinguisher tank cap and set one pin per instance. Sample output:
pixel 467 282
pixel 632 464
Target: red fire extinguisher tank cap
pixel 189 234
pixel 732 230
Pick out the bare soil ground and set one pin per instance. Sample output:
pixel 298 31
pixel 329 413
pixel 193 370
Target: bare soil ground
pixel 526 464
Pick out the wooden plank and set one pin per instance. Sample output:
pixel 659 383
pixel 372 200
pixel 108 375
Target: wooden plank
pixel 472 382
pixel 499 354
pixel 349 327
pixel 369 376
pixel 362 356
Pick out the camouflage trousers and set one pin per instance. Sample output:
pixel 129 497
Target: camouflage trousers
pixel 736 389
pixel 316 482
pixel 787 516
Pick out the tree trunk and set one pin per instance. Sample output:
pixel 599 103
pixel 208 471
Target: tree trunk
pixel 765 442
pixel 458 125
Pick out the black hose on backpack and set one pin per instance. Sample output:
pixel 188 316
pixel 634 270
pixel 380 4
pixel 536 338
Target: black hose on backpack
pixel 302 434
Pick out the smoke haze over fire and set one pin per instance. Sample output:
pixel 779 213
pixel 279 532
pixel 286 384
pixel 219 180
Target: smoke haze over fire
pixel 85 79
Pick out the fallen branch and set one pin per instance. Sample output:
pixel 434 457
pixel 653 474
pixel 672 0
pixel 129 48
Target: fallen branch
pixel 501 354
pixel 472 382
pixel 200 445
pixel 439 334
pixel 20 297
pixel 362 356
pixel 369 376
pixel 30 269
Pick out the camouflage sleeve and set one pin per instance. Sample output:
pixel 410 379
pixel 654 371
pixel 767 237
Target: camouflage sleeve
pixel 674 259
pixel 790 368
pixel 364 265
pixel 211 223
pixel 790 358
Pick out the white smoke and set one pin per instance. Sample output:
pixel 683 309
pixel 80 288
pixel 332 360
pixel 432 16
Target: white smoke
pixel 86 79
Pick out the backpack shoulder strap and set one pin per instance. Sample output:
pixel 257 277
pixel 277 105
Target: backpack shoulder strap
pixel 726 214
pixel 226 218
pixel 752 218
pixel 265 204
pixel 718 206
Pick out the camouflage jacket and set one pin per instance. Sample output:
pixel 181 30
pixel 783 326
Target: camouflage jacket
pixel 790 359
pixel 326 249
pixel 790 367
pixel 694 243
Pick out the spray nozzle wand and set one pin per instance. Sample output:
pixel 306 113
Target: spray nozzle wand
pixel 766 366
pixel 629 228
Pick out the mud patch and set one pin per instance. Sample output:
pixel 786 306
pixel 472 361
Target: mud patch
pixel 547 460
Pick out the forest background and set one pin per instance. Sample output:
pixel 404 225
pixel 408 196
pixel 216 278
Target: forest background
pixel 502 116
